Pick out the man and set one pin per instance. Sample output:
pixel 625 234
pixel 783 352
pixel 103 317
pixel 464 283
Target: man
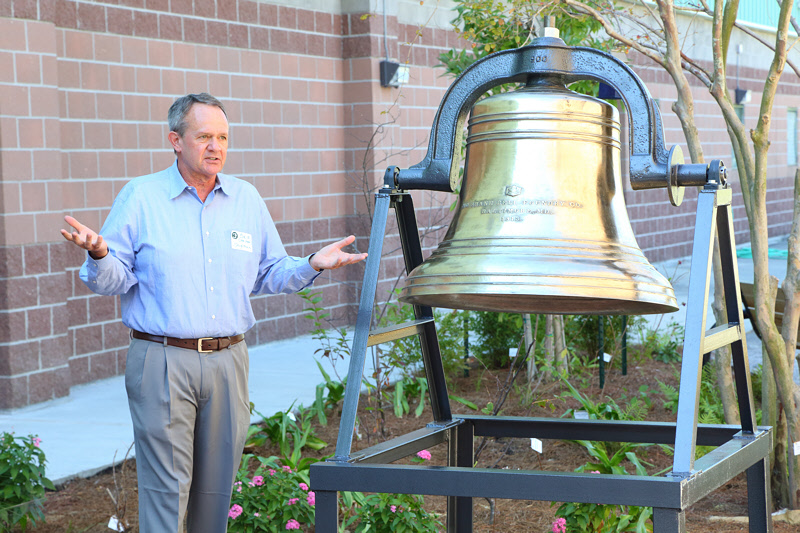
pixel 185 248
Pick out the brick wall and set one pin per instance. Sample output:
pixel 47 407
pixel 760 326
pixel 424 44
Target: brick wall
pixel 84 90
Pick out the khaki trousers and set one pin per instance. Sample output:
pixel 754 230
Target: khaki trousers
pixel 190 415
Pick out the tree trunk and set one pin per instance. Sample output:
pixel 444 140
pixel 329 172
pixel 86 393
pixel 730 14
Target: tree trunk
pixel 549 347
pixel 530 352
pixel 561 345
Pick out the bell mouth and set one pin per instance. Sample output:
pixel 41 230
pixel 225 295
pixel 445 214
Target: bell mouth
pixel 549 304
pixel 540 276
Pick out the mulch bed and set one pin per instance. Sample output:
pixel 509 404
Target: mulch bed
pixel 85 505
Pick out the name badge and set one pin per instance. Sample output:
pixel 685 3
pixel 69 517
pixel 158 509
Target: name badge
pixel 241 241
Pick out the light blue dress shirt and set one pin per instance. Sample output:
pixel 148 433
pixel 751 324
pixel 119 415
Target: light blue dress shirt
pixel 185 268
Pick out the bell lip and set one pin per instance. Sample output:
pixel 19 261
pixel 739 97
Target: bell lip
pixel 543 304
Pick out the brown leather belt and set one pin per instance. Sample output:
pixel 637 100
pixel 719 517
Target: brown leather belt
pixel 202 345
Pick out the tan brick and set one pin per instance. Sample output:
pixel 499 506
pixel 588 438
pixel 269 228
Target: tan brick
pixel 19 358
pixel 159 53
pixel 81 105
pixel 134 50
pixel 31 132
pixel 170 27
pixel 79 369
pixel 124 135
pixel 54 192
pixel 12 34
pixel 14 100
pixel 16 165
pixel 111 163
pixel 54 351
pixel 83 165
pixel 47 230
pixel 44 102
pixel 99 193
pixel 52 133
pixel 69 74
pixel 78 45
pixel 97 135
pixel 196 82
pixel 28 68
pixel 12 325
pixel 94 76
pixel 10 197
pixel 91 17
pixel 40 323
pixel 107 48
pixel 136 108
pixel 13 392
pixel 34 196
pixel 47 164
pixel 102 365
pixel 74 196
pixel 71 134
pixel 138 164
pixel 219 84
pixel 148 80
pixel 41 37
pixel 121 78
pixel 48 385
pixel 88 339
pixel 173 82
pixel 115 335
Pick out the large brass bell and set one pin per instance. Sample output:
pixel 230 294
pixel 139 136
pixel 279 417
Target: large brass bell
pixel 541 224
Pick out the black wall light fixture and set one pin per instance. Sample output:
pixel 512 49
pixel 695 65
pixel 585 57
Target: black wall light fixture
pixel 393 74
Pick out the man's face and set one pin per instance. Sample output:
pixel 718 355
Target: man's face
pixel 202 149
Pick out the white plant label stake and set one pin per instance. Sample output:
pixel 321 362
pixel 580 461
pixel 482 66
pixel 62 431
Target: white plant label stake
pixel 536 445
pixel 796 447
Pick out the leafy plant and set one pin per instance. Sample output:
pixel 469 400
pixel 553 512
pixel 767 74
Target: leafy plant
pixel 22 481
pixel 389 512
pixel 496 333
pixel 291 433
pixel 664 346
pixel 276 497
pixel 335 345
pixel 409 389
pixel 328 395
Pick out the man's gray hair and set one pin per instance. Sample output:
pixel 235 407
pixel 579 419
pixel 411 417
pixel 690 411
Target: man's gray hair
pixel 180 107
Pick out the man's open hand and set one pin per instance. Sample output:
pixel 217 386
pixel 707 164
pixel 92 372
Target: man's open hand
pixel 332 256
pixel 86 238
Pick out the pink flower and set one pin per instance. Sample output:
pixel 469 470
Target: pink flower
pixel 292 524
pixel 303 486
pixel 594 472
pixel 256 514
pixel 292 501
pixel 271 472
pixel 37 441
pixel 311 498
pixel 393 508
pixel 287 468
pixel 258 481
pixel 235 511
pixel 560 525
pixel 425 455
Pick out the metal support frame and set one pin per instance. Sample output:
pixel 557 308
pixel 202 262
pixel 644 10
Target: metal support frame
pixel 739 449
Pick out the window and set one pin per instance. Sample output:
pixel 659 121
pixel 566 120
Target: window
pixel 791 136
pixel 739 108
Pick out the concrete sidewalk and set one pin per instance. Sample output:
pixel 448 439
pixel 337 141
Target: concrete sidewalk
pixel 90 429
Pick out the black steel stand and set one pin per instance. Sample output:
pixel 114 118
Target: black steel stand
pixel 739 449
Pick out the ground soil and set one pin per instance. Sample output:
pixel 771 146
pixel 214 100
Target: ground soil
pixel 85 505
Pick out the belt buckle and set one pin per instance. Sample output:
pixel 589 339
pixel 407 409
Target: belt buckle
pixel 200 344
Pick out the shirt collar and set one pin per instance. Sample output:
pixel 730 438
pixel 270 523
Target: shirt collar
pixel 177 184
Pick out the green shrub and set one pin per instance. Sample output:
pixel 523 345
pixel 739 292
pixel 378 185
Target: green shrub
pixel 22 481
pixel 495 333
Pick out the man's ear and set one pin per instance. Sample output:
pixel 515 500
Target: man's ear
pixel 174 140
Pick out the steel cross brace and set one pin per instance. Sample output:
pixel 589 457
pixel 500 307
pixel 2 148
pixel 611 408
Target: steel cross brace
pixel 739 449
